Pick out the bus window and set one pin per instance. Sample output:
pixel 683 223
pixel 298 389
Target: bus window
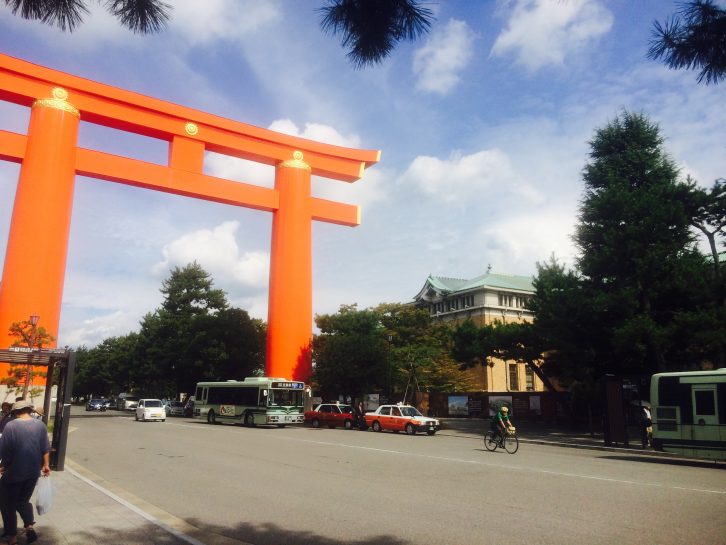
pixel 285 398
pixel 705 402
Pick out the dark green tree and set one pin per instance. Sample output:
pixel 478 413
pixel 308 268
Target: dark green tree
pixel 695 38
pixel 140 16
pixel 350 353
pixel 195 336
pixel 634 242
pixel 106 370
pixel 708 215
pixel 371 29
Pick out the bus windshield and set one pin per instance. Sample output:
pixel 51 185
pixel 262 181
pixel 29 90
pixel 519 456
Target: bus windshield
pixel 285 398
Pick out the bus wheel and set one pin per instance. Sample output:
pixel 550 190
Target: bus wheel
pixel 249 420
pixel 211 419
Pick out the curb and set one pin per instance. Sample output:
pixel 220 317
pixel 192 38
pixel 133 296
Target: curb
pixel 564 444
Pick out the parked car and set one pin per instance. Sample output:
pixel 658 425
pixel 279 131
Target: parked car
pixel 110 403
pixel 401 418
pixel 127 403
pixel 150 409
pixel 175 408
pixel 331 415
pixel 96 405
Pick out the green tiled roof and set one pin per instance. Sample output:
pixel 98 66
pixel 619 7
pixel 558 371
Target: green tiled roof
pixel 489 280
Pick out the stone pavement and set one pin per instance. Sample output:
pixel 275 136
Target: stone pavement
pixel 87 510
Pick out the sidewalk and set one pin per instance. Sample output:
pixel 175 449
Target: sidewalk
pixel 90 511
pixel 542 434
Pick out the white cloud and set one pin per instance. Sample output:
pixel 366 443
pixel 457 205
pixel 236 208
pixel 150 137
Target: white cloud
pixel 438 63
pixel 216 250
pixel 213 20
pixel 545 32
pixel 514 242
pixel 92 331
pixel 316 131
pixel 463 177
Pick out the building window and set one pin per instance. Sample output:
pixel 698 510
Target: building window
pixel 529 378
pixel 513 377
pixel 505 300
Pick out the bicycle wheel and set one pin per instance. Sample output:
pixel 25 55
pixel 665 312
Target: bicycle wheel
pixel 490 441
pixel 511 444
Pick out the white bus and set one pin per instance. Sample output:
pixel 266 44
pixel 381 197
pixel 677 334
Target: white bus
pixel 254 400
pixel 689 413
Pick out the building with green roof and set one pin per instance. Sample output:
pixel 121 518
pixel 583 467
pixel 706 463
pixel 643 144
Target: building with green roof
pixel 485 299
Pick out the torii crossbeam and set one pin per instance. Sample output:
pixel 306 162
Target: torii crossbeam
pixel 35 261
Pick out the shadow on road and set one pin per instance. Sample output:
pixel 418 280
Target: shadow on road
pixel 271 534
pixel 669 461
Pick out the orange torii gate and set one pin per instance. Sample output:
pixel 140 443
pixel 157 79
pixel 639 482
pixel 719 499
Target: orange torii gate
pixel 32 281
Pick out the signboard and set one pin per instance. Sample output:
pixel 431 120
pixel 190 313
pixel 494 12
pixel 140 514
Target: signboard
pixel 535 405
pixel 27 350
pixel 290 385
pixel 475 406
pixel 458 405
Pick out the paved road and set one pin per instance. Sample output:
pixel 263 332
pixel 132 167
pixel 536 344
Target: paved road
pixel 302 486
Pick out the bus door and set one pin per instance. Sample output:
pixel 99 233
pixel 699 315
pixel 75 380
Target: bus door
pixel 705 418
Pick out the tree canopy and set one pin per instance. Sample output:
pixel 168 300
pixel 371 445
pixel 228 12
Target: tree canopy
pixel 694 39
pixel 370 29
pixel 193 336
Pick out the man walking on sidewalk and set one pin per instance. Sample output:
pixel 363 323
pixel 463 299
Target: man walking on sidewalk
pixel 24 452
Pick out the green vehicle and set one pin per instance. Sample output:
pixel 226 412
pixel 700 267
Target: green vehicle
pixel 689 413
pixel 252 401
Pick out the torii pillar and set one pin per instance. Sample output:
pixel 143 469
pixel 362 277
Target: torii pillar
pixel 35 261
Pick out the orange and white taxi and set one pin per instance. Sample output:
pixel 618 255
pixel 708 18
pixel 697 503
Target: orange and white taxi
pixel 401 418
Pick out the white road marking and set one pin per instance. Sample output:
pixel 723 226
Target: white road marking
pixel 478 462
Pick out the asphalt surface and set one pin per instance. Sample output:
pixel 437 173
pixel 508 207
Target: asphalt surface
pixel 298 485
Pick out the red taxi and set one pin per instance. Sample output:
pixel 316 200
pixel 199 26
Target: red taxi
pixel 331 415
pixel 401 418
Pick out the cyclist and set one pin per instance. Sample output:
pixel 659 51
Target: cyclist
pixel 501 423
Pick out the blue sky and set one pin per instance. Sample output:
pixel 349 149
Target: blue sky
pixel 483 126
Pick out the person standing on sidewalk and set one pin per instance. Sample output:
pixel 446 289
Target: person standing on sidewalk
pixel 24 454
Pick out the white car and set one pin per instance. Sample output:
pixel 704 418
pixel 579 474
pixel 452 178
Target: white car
pixel 401 418
pixel 150 409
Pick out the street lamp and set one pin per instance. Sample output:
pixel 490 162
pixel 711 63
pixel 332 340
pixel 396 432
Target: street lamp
pixel 29 367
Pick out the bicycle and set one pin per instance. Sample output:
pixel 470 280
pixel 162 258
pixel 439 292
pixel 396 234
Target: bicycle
pixel 510 442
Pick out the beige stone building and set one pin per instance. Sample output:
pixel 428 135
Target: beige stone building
pixel 487 299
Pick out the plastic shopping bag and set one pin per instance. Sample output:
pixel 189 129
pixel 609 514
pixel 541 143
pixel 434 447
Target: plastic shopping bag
pixel 44 495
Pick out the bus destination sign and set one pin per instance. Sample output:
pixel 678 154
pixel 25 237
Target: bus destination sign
pixel 290 385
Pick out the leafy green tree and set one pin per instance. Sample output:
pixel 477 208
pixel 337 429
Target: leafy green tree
pixel 350 353
pixel 106 369
pixel 419 351
pixel 708 215
pixel 194 336
pixel 570 339
pixel 632 234
pixel 695 38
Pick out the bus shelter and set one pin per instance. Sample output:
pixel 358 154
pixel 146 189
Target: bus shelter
pixel 60 363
